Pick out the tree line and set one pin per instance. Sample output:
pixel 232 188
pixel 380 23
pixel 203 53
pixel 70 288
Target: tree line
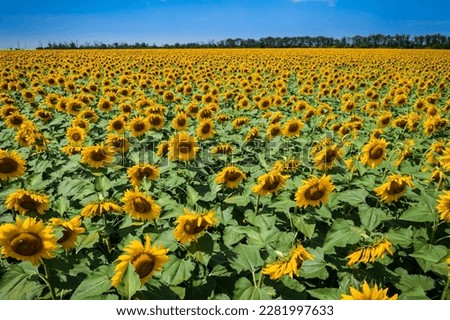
pixel 435 41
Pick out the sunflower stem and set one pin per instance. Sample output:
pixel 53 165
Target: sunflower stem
pixel 444 292
pixel 433 231
pixel 261 277
pixel 106 237
pixel 46 279
pixel 257 204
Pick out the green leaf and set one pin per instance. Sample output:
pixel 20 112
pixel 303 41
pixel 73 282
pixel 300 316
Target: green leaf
pixel 371 217
pixel 418 213
pixel 408 282
pixel 326 293
pixel 401 237
pixel 192 195
pixel 315 268
pixel 95 284
pixel 18 283
pixel 248 258
pixel 245 290
pixel 432 257
pixel 305 224
pixel 240 201
pixel 102 184
pixel 177 270
pixel 355 197
pixel 342 233
pixel 88 241
pixel 232 235
pixel 130 283
pixel 61 205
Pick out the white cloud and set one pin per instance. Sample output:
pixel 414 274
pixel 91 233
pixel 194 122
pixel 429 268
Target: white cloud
pixel 331 3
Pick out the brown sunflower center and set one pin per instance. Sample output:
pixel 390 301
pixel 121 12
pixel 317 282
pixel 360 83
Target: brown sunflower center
pixel 141 205
pixel 314 193
pixel 66 235
pixel 156 121
pixel 144 173
pixel 118 143
pixel 274 131
pixel 8 165
pixel 330 155
pixel 271 183
pixel 376 153
pixel 76 136
pixel 396 188
pixel 181 122
pixel 27 202
pixel 385 120
pixel 293 127
pixel 192 227
pixel 16 120
pixel 206 128
pixel 98 155
pixel 143 264
pixel 139 126
pixel 117 125
pixel 26 243
pixel 184 147
pixel 232 175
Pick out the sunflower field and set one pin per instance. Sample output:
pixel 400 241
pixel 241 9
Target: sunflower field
pixel 225 174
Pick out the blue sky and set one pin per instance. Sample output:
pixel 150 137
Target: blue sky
pixel 30 23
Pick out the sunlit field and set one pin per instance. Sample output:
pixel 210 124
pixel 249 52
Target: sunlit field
pixel 225 174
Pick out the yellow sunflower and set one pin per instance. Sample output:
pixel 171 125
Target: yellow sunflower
pixel 162 149
pixel 76 136
pixel 370 253
pixel 140 205
pixel 97 156
pixel 273 130
pixel 314 191
pixel 374 152
pixel 252 134
pixel 28 240
pixel 117 143
pixel 393 188
pixel 23 201
pixel 71 150
pixel 192 225
pixel 70 231
pixel 146 260
pixel 269 183
pixel 325 159
pixel 182 147
pixel 15 120
pixel 288 265
pixel 222 148
pixel 368 293
pixel 443 207
pixel 11 165
pixel 117 124
pixel 142 171
pixel 205 129
pixel 230 176
pixel 99 208
pixel 156 121
pixel 292 128
pixel 444 159
pixel 138 126
pixel 180 122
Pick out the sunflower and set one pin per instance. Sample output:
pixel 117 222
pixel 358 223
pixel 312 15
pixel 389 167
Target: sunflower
pixel 393 188
pixel 269 183
pixel 138 126
pixel 140 205
pixel 117 143
pixel 146 260
pixel 27 240
pixel 374 152
pixel 44 115
pixel 74 106
pixel 292 128
pixel 182 147
pixel 97 156
pixel 314 191
pixel 288 265
pixel 71 150
pixel 180 122
pixel 23 201
pixel 444 159
pixel 384 120
pixel 105 105
pixel 324 160
pixel 162 149
pixel 443 207
pixel 273 130
pixel 205 129
pixel 290 165
pixel 230 176
pixel 142 171
pixel 11 165
pixel 405 153
pixel 15 120
pixel 252 134
pixel 70 231
pixel 76 136
pixel 192 225
pixel 222 148
pixel 368 293
pixel 156 121
pixel 99 208
pixel 88 114
pixel 117 124
pixel 79 122
pixel 370 253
